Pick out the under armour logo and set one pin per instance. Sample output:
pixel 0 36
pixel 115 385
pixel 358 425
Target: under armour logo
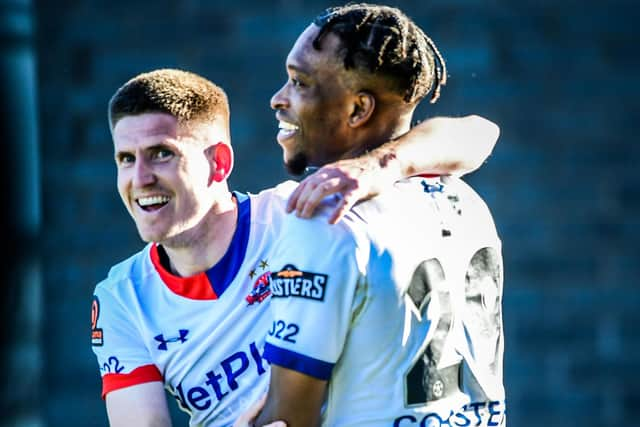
pixel 428 188
pixel 163 343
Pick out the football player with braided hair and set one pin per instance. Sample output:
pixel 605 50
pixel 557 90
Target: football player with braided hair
pixel 392 317
pixel 390 64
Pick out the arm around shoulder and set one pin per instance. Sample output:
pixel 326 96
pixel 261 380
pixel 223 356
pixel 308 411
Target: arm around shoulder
pixel 438 146
pixel 442 146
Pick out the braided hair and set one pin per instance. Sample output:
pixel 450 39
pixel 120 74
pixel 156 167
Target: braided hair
pixel 382 40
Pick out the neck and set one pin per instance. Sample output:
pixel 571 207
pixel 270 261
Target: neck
pixel 386 128
pixel 200 248
pixel 401 126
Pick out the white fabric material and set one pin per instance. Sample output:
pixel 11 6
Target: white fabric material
pixel 218 371
pixel 414 271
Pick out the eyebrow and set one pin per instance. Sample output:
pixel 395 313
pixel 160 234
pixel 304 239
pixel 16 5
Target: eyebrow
pixel 298 67
pixel 158 146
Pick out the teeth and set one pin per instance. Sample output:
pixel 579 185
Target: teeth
pixel 287 126
pixel 153 200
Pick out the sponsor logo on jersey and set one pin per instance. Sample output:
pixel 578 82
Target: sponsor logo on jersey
pixel 291 282
pixel 181 338
pixel 221 381
pixel 260 289
pixel 483 414
pixel 97 338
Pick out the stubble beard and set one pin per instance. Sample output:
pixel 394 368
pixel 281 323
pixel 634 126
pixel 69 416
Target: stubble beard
pixel 297 164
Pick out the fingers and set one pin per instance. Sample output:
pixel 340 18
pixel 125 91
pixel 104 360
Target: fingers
pixel 257 406
pixel 344 178
pixel 303 191
pixel 293 199
pixel 307 189
pixel 341 208
pixel 246 419
pixel 348 200
pixel 310 199
pixel 306 198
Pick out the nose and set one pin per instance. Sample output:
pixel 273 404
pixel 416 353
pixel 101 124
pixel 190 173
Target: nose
pixel 142 174
pixel 279 101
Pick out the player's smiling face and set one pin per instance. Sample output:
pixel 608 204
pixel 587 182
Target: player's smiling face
pixel 162 175
pixel 313 106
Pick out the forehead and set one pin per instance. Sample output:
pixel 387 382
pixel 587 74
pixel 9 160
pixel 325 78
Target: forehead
pixel 303 56
pixel 143 128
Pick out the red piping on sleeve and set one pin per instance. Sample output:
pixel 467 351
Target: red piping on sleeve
pixel 140 375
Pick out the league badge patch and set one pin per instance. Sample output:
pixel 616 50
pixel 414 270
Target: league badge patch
pixel 97 339
pixel 291 282
pixel 260 289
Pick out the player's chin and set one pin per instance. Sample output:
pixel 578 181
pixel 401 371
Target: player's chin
pixel 296 164
pixel 149 235
pixel 147 238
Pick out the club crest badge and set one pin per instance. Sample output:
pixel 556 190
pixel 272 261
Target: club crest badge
pixel 261 287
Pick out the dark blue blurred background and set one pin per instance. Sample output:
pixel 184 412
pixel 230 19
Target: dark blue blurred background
pixel 559 77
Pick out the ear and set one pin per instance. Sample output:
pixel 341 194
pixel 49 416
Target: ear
pixel 363 107
pixel 220 158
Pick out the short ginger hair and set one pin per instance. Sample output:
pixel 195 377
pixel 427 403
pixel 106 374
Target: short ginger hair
pixel 190 98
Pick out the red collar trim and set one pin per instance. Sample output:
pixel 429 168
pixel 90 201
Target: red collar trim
pixel 196 287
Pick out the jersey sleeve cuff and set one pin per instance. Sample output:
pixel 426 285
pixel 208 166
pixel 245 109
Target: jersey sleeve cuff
pixel 140 375
pixel 298 362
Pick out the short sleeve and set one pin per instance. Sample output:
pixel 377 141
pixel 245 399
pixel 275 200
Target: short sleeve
pixel 123 359
pixel 313 281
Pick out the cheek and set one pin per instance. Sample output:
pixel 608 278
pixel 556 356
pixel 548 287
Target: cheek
pixel 122 186
pixel 192 183
pixel 194 168
pixel 196 175
pixel 328 113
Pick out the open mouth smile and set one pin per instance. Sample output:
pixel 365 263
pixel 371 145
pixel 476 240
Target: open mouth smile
pixel 152 203
pixel 287 130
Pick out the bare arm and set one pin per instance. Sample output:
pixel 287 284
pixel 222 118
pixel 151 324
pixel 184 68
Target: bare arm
pixel 439 146
pixel 142 405
pixel 294 398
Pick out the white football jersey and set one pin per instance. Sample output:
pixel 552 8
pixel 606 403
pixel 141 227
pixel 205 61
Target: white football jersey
pixel 202 336
pixel 399 307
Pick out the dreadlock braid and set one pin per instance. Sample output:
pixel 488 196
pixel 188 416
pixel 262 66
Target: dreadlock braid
pixel 382 40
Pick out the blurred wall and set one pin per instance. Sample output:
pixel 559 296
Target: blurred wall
pixel 560 78
pixel 21 354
